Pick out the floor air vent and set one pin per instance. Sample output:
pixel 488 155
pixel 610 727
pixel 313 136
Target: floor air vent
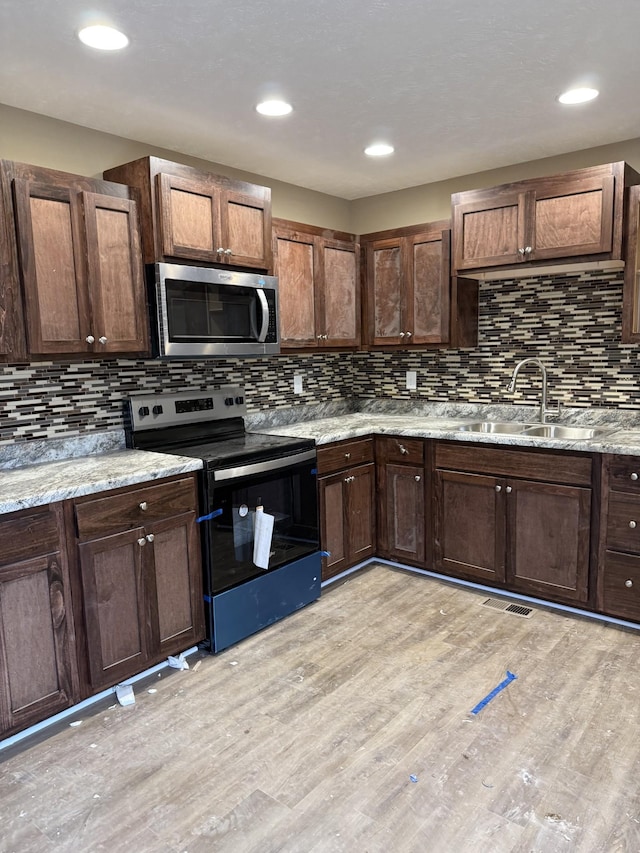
pixel 507 607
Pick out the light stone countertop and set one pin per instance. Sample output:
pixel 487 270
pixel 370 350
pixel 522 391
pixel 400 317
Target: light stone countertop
pixel 35 485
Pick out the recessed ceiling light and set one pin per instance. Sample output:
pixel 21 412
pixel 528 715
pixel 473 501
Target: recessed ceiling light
pixel 578 96
pixel 103 38
pixel 274 108
pixel 379 149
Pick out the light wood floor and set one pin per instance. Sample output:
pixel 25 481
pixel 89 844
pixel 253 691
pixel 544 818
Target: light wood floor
pixel 304 738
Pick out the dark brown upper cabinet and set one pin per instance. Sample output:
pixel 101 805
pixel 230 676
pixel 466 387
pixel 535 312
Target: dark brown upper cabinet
pixel 576 216
pixel 79 264
pixel 410 298
pixel 195 216
pixel 631 289
pixel 319 286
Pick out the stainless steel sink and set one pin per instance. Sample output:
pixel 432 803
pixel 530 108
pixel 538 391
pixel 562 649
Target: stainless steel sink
pixel 568 432
pixel 505 427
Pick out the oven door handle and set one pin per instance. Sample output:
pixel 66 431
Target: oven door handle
pixel 264 328
pixel 263 467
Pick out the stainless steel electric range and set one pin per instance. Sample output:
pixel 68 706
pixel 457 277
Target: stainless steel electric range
pixel 258 507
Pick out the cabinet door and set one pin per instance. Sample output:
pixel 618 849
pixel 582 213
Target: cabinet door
pixel 188 219
pixel 573 218
pixel 115 606
pixel 174 585
pixel 338 293
pixel 386 291
pixel 116 287
pixel 245 230
pixel 490 232
pixel 333 524
pixel 296 271
pixel 404 515
pixel 428 310
pixel 361 492
pixel 631 291
pixel 548 540
pixel 470 526
pixel 35 654
pixel 52 266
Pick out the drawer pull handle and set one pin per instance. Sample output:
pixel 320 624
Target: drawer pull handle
pixel 498 488
pixel 403 449
pixel 632 525
pixel 142 541
pixel 628 583
pixel 150 537
pixel 347 456
pixel 634 476
pixel 143 506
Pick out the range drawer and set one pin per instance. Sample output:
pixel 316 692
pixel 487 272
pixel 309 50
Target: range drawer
pixel 623 522
pixel 344 454
pixel 27 535
pixel 134 508
pixel 620 592
pixel 398 449
pixel 624 473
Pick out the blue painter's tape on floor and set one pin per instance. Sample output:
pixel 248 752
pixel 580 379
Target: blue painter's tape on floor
pixel 510 677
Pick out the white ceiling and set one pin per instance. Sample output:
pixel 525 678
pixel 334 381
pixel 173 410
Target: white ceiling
pixel 458 86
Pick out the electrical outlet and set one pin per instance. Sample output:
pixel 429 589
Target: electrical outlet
pixel 297 384
pixel 412 380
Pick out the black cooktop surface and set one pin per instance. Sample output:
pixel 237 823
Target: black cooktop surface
pixel 251 446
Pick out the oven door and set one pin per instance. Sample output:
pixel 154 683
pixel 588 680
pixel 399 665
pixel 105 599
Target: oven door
pixel 286 489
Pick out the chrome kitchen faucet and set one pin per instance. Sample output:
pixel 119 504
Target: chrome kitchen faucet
pixel 511 387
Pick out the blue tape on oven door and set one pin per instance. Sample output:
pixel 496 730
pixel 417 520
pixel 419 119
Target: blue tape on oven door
pixel 211 515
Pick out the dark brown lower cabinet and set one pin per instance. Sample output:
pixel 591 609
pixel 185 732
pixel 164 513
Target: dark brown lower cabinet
pixel 346 497
pixel 38 676
pixel 141 585
pixel 402 520
pixel 508 529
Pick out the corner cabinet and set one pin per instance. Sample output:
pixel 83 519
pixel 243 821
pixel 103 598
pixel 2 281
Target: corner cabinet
pixel 515 518
pixel 346 484
pixel 37 641
pixel 191 215
pixel 573 216
pixel 410 298
pixel 319 286
pixel 78 261
pixel 141 578
pixel 401 482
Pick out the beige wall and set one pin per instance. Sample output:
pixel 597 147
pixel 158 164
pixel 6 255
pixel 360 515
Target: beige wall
pixel 43 141
pixel 433 201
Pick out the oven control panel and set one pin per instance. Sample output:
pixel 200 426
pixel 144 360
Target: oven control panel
pixel 152 411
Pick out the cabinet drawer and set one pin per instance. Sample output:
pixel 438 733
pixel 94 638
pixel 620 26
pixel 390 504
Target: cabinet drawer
pixel 623 522
pixel 27 535
pixel 135 508
pixel 344 454
pixel 620 593
pixel 624 473
pixel 399 449
pixel 562 467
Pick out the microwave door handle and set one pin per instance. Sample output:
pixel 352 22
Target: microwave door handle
pixel 265 316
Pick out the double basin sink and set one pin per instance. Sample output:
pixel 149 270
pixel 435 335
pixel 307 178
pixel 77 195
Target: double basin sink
pixel 571 433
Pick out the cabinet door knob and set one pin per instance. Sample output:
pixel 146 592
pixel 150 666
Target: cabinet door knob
pixel 498 488
pixel 102 339
pixel 521 251
pixel 403 449
pixel 508 490
pixel 150 537
pixel 220 251
pixel 90 339
pixel 142 541
pixel 143 505
pixel 417 478
pixel 528 250
pixel 634 476
pixel 228 252
pixel 347 456
pixel 409 334
pixel 628 583
pixel 632 525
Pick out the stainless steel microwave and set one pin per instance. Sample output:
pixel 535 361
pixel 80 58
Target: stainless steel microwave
pixel 201 312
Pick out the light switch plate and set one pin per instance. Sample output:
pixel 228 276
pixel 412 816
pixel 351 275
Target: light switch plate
pixel 297 384
pixel 412 380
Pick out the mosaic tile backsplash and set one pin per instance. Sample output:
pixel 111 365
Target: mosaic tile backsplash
pixel 571 322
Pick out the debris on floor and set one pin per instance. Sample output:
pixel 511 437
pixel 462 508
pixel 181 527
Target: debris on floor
pixel 510 677
pixel 125 694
